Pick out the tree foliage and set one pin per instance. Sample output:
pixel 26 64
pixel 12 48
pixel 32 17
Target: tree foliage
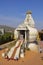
pixel 6 38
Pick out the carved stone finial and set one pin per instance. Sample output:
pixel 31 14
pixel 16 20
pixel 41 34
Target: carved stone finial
pixel 28 12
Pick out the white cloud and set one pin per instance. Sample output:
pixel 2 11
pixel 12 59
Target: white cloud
pixel 11 21
pixel 9 18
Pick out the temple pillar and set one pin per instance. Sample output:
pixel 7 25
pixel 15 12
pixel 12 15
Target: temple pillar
pixel 25 39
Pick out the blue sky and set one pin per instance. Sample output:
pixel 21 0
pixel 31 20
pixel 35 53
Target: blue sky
pixel 12 12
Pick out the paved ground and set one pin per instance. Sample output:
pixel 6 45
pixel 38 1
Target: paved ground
pixel 31 58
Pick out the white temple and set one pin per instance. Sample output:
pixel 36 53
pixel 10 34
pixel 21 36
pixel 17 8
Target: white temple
pixel 26 36
pixel 27 29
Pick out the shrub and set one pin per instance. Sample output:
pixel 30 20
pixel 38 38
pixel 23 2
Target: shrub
pixel 6 38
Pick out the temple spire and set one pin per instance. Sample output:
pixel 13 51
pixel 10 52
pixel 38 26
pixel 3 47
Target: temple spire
pixel 29 19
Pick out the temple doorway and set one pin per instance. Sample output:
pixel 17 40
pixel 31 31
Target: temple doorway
pixel 22 32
